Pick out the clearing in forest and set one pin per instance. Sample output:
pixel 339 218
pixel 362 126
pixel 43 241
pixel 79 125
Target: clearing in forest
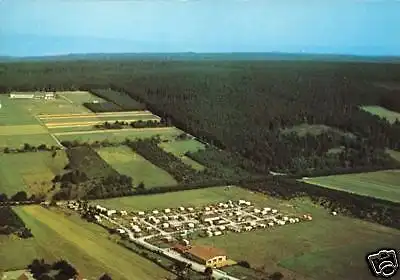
pixel 179 147
pixel 381 112
pixel 313 129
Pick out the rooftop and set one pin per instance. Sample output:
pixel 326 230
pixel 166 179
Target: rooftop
pixel 201 252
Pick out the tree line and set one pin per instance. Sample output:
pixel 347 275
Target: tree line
pixel 31 148
pixel 59 270
pixel 133 124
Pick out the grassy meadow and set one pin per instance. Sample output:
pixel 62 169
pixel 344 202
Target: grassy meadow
pixel 390 116
pixel 30 172
pixel 394 154
pixel 79 97
pixel 380 184
pixel 86 246
pixel 17 141
pixel 180 147
pixel 127 162
pixel 326 248
pixel 12 112
pixel 55 106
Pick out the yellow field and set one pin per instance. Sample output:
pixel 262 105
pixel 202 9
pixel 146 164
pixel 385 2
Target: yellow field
pixel 22 129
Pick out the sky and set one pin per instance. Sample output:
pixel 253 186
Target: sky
pixel 51 27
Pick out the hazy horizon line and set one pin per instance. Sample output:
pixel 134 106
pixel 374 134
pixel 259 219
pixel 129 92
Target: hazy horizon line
pixel 199 53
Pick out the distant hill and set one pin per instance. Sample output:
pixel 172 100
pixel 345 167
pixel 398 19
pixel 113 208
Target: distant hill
pixel 274 56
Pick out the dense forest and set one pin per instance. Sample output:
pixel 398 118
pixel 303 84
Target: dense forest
pixel 243 107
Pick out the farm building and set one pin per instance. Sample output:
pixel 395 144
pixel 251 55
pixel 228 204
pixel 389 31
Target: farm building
pixel 49 96
pixel 37 95
pixel 209 256
pixel 22 95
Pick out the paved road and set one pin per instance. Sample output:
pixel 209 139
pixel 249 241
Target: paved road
pixel 218 274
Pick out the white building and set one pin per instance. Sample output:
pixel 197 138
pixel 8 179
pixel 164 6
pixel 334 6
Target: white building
pixel 49 95
pixel 22 95
pixel 111 212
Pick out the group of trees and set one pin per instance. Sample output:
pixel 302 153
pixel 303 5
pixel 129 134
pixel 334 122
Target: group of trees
pixel 59 270
pixel 183 173
pixel 11 223
pixel 21 196
pixel 88 175
pixel 30 148
pixel 134 124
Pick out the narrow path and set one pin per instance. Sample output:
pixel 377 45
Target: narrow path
pixel 52 136
pixel 66 98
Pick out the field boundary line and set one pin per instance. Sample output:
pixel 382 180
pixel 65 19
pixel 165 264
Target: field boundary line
pixel 44 116
pixel 115 130
pixel 52 136
pixel 89 123
pixel 66 98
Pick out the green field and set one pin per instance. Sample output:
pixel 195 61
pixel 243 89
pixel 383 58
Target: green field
pixel 17 141
pixel 84 245
pixel 380 184
pixel 324 248
pixel 193 198
pixel 22 129
pixel 179 148
pixel 13 112
pixel 390 116
pixel 127 162
pixel 118 135
pixel 394 154
pixel 56 106
pixel 31 172
pixel 79 97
